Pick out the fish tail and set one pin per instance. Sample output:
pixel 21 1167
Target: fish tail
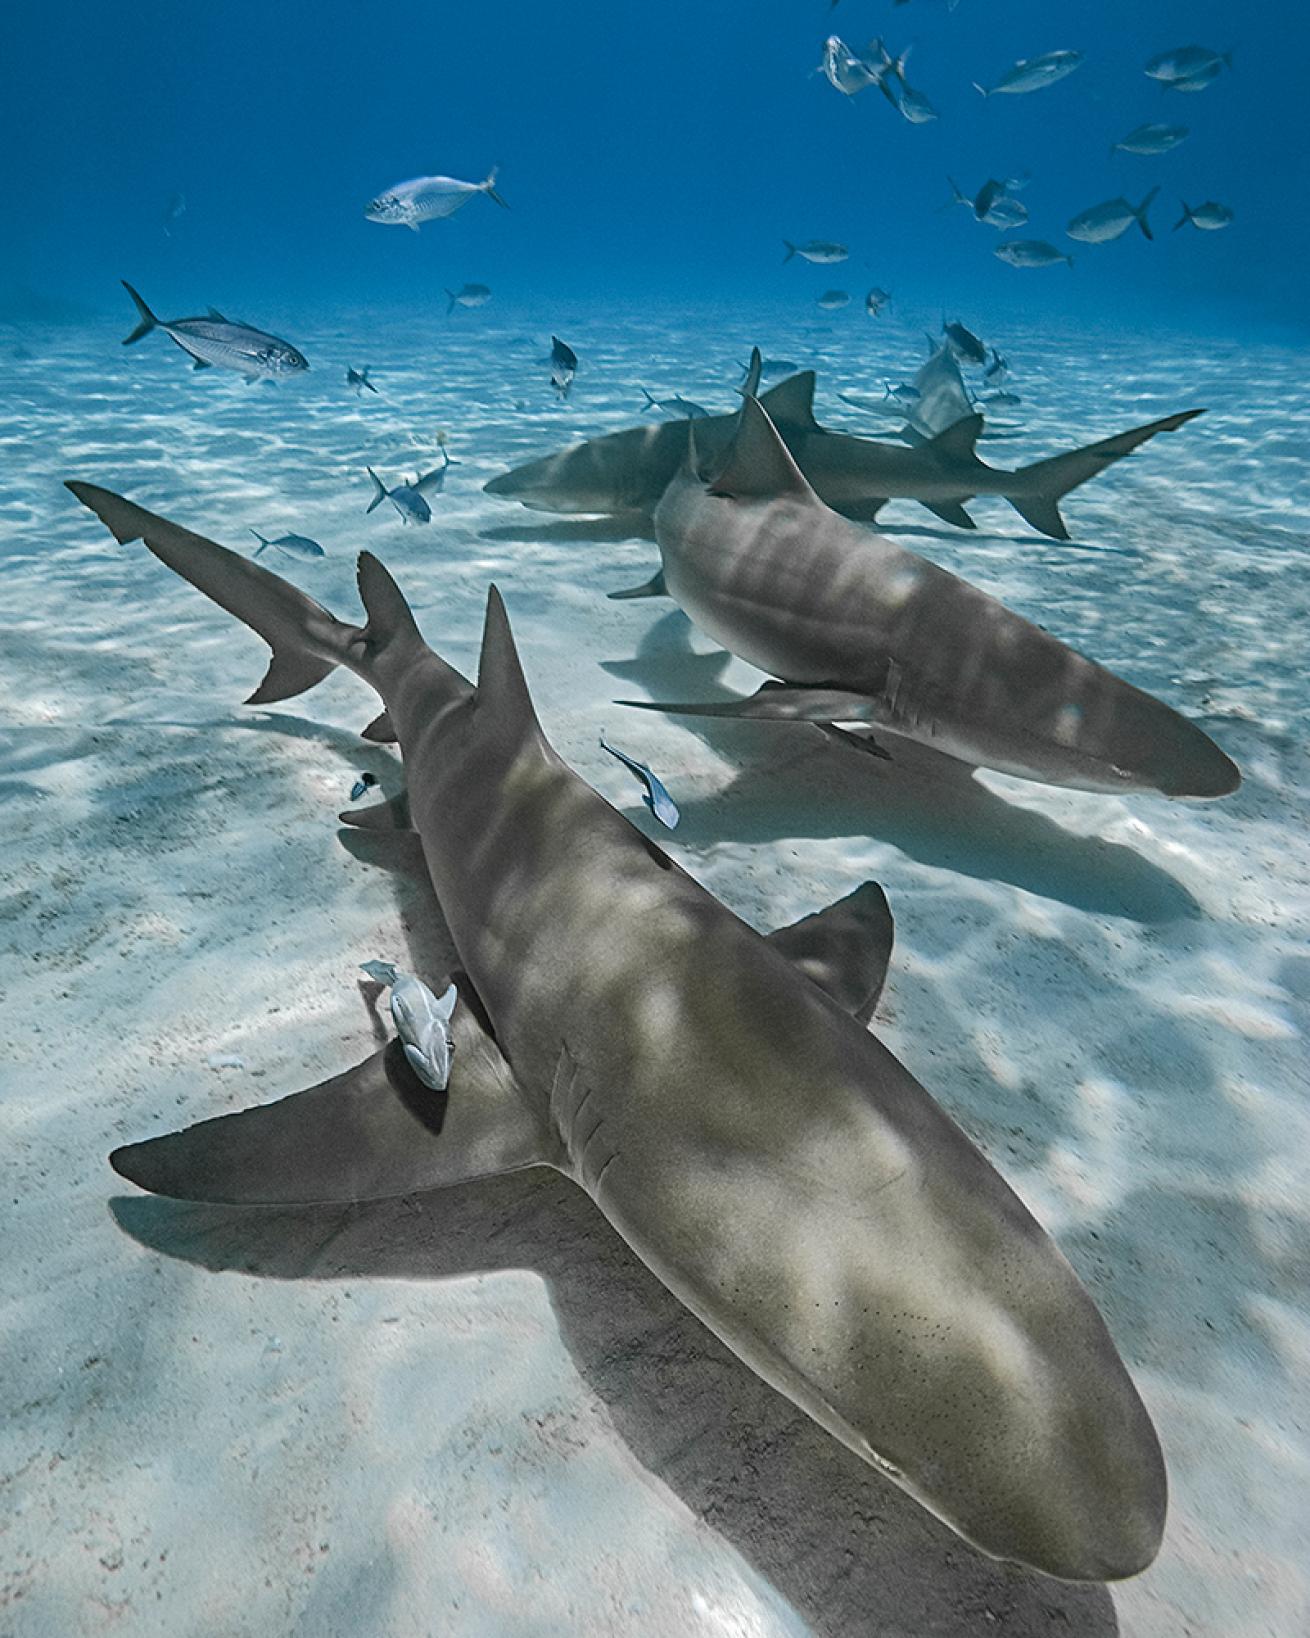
pixel 450 305
pixel 379 491
pixel 1140 213
pixel 148 319
pixel 489 187
pixel 791 251
pixel 649 397
pixel 1185 217
pixel 263 542
pixel 981 90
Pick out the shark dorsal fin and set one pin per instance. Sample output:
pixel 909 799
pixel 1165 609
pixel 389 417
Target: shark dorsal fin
pixel 759 464
pixel 791 403
pixel 389 615
pixel 503 697
pixel 959 438
pixel 750 387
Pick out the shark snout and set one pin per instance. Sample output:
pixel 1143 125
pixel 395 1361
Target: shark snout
pixel 1198 767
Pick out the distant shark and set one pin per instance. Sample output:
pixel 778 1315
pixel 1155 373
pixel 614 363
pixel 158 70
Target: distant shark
pixel 629 471
pixel 714 1091
pixel 859 629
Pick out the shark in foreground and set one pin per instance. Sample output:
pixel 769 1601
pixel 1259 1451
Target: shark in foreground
pixel 859 629
pixel 628 471
pixel 717 1094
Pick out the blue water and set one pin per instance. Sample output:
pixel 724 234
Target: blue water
pixel 476 1413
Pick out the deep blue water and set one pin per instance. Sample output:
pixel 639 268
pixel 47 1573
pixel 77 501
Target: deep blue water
pixel 661 152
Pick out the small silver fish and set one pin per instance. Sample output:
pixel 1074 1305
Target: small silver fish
pixel 876 300
pixel 410 499
pixel 845 71
pixel 1030 253
pixel 683 408
pixel 1102 223
pixel 1006 213
pixel 1032 74
pixel 1209 217
pixel 913 105
pixel 831 300
pixel 904 393
pixel 358 379
pixel 963 343
pixel 820 251
pixel 772 366
pixel 1189 62
pixel 422 1022
pixel 1151 139
pixel 996 400
pixel 468 295
pixel 300 546
pixel 997 368
pixel 427 199
pixel 656 798
pixel 563 366
pixel 217 340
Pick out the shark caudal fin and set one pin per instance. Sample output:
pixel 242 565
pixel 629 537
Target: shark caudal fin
pixel 373 1133
pixel 503 703
pixel 148 319
pixel 306 640
pixel 1039 488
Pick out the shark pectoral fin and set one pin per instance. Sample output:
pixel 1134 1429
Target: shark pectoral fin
pixel 393 814
pixel 380 730
pixel 374 1133
pixel 654 587
pixel 844 949
pixel 778 702
pixel 950 512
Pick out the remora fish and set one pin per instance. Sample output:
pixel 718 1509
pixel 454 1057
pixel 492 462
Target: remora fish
pixel 427 199
pixel 410 499
pixel 1151 139
pixel 628 471
pixel 216 340
pixel 1209 217
pixel 1032 74
pixel 861 630
pixel 654 794
pixel 1031 253
pixel 617 1023
pixel 468 295
pixel 1102 223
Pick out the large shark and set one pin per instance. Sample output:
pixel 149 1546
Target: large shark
pixel 859 629
pixel 629 470
pixel 717 1094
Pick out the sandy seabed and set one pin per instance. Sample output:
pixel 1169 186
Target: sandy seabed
pixel 475 1412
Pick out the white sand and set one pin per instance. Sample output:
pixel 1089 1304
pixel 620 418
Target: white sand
pixel 475 1413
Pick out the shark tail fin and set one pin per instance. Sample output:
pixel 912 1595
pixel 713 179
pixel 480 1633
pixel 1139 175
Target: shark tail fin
pixel 307 642
pixel 372 1133
pixel 488 186
pixel 379 491
pixel 503 701
pixel 1140 213
pixel 1040 487
pixel 148 319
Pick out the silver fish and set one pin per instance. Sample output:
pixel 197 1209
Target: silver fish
pixel 1032 74
pixel 1210 217
pixel 1030 253
pixel 876 300
pixel 845 71
pixel 217 340
pixel 300 546
pixel 1151 139
pixel 831 300
pixel 410 499
pixel 1187 63
pixel 1006 213
pixel 422 1022
pixel 1101 223
pixel 358 379
pixel 684 408
pixel 656 798
pixel 427 199
pixel 563 366
pixel 468 295
pixel 964 343
pixel 820 251
pixel 913 105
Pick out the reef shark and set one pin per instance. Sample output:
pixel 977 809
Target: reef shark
pixel 628 471
pixel 716 1092
pixel 859 629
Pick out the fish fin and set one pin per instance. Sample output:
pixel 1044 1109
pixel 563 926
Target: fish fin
pixel 958 439
pixel 451 304
pixel 750 387
pixel 373 1133
pixel 380 730
pixel 306 640
pixel 791 251
pixel 865 510
pixel 489 188
pixel 791 403
pixel 844 949
pixel 1140 213
pixel 1042 485
pixel 199 363
pixel 1181 222
pixel 214 313
pixel 379 491
pixel 779 702
pixel 950 512
pixel 758 462
pixel 981 90
pixel 654 587
pixel 502 696
pixel 389 614
pixel 393 814
pixel 148 319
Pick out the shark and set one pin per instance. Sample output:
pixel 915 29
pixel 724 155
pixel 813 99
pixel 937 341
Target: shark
pixel 628 471
pixel 717 1093
pixel 852 627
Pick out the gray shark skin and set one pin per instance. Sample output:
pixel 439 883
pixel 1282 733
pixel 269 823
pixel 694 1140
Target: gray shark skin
pixel 865 630
pixel 766 1157
pixel 628 471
